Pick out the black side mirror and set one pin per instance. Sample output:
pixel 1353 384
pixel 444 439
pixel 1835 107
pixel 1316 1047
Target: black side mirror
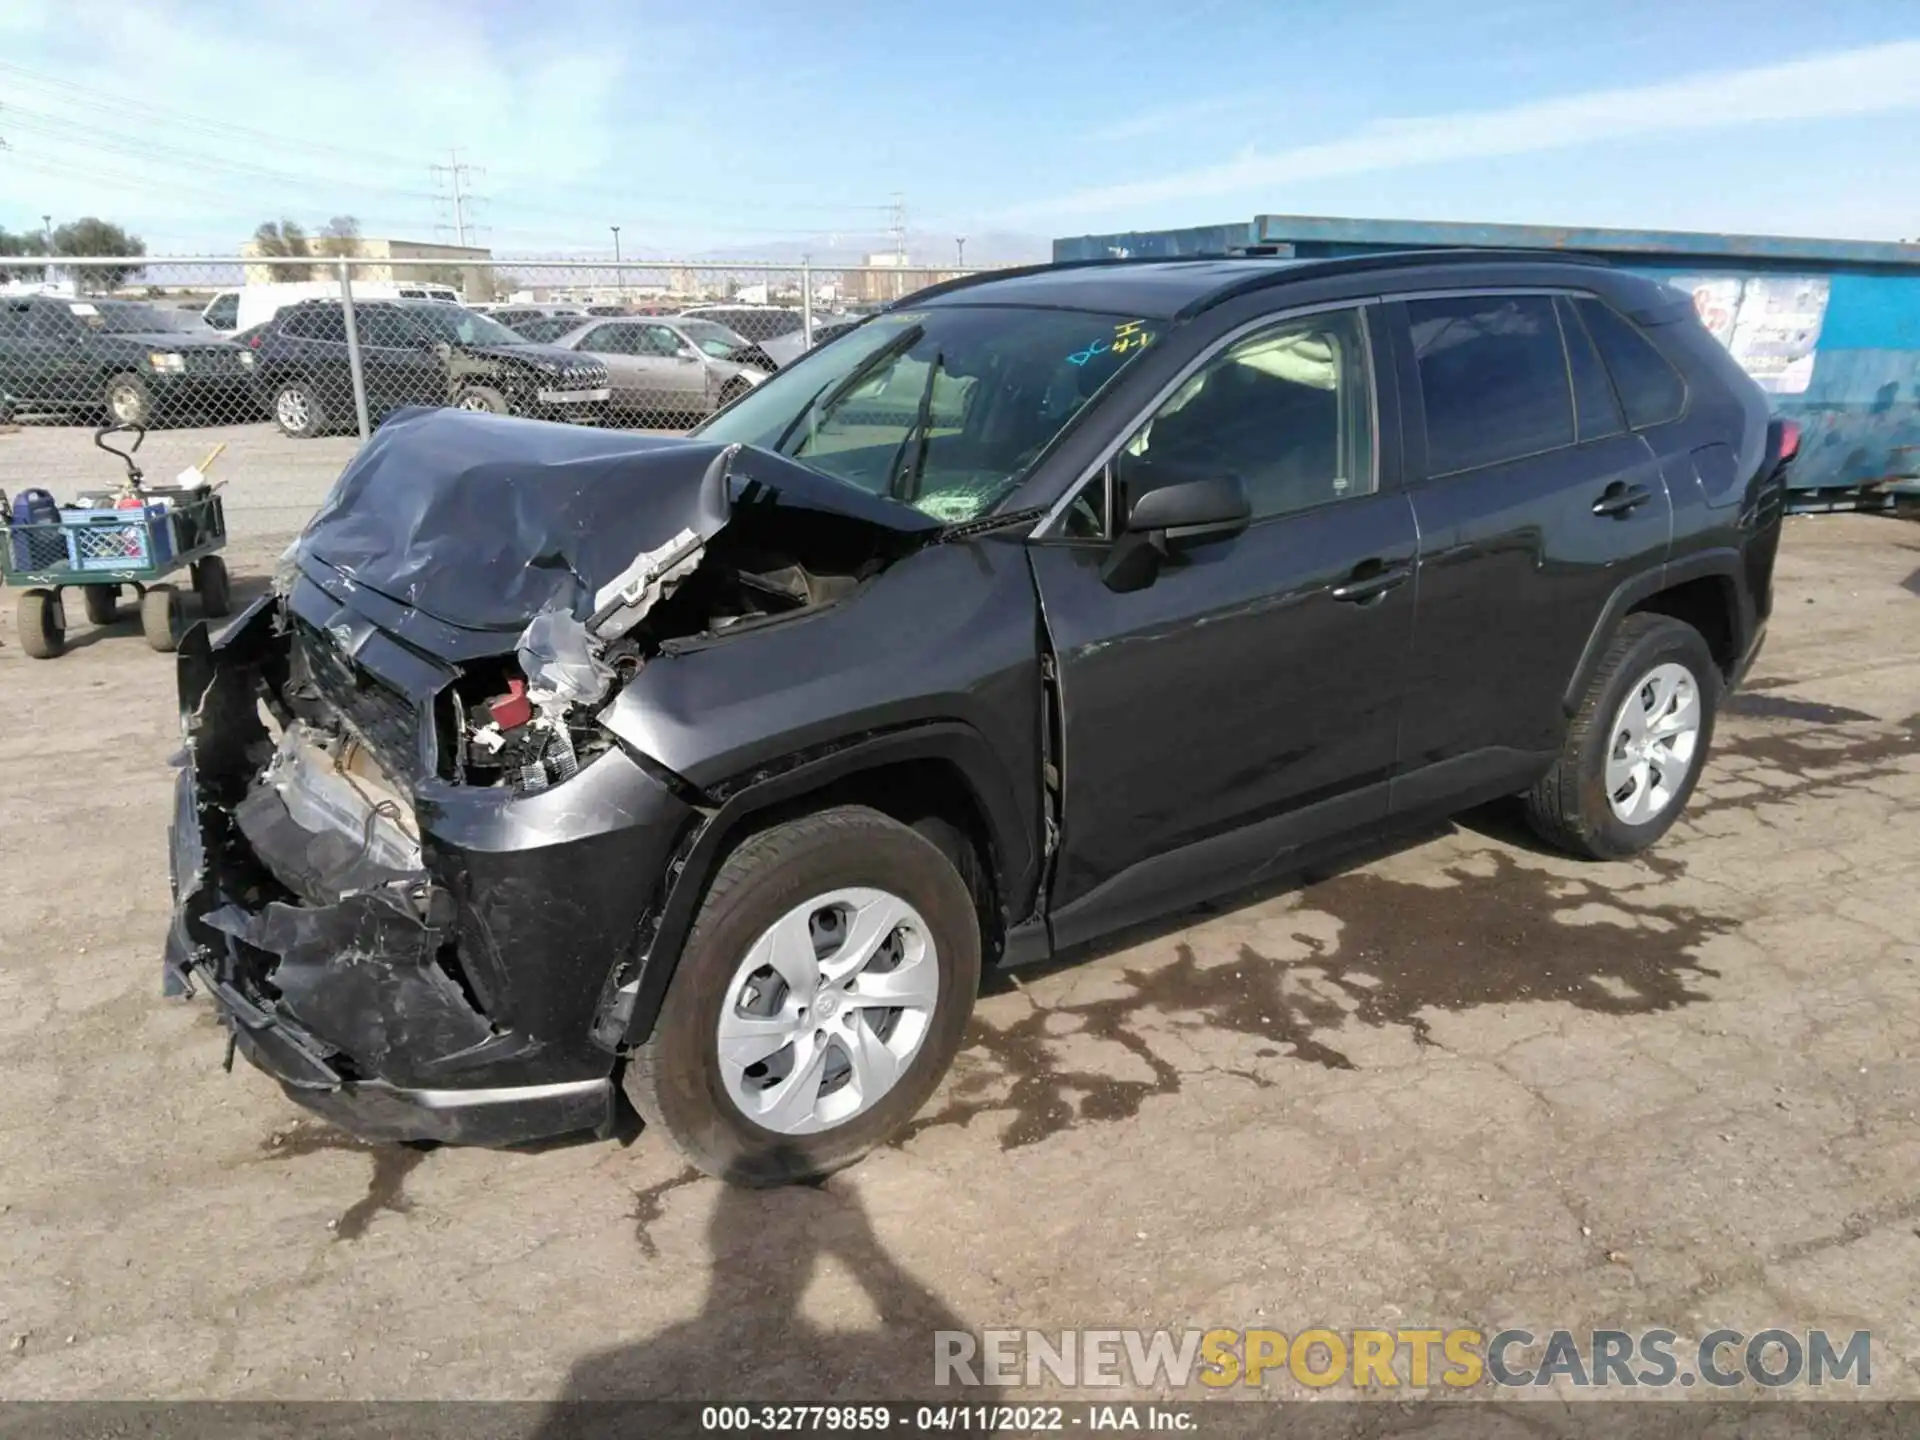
pixel 1166 507
pixel 1205 508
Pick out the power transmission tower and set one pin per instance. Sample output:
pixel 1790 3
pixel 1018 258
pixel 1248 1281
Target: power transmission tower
pixel 899 227
pixel 459 179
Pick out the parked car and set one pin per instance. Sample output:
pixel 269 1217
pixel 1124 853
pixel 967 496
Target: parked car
pixel 138 363
pixel 834 328
pixel 718 768
pixel 546 329
pixel 258 303
pixel 414 352
pixel 779 331
pixel 665 371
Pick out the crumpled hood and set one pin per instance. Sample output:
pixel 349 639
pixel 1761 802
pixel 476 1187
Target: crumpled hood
pixel 530 354
pixel 483 521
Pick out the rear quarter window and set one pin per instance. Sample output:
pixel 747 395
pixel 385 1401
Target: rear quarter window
pixel 1650 388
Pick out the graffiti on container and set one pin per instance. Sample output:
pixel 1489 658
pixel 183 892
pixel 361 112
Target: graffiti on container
pixel 1769 323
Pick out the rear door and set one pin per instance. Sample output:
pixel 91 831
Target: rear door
pixel 630 376
pixel 18 367
pixel 1533 499
pixel 400 362
pixel 62 367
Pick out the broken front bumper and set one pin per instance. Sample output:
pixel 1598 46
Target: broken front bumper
pixel 427 981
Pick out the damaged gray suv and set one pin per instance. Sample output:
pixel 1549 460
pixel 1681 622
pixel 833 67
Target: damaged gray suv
pixel 559 762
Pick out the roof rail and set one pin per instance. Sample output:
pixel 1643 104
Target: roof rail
pixel 1285 268
pixel 1382 260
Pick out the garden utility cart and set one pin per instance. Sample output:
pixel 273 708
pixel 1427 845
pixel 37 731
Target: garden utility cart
pixel 135 534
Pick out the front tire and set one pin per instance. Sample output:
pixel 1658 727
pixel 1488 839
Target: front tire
pixel 1636 748
pixel 42 623
pixel 482 398
pixel 822 993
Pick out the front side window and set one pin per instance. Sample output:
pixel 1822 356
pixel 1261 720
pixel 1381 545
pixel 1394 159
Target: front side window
pixel 946 408
pixel 456 326
pixel 384 329
pixel 1288 410
pixel 1493 379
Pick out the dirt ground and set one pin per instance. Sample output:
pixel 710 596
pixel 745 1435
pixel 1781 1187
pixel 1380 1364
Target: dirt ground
pixel 1461 1081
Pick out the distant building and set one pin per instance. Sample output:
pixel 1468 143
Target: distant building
pixel 873 286
pixel 369 248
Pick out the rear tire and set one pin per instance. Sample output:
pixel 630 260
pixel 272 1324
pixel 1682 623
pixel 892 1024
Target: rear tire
pixel 128 401
pixel 102 602
pixel 43 624
pixel 160 617
pixel 675 1078
pixel 211 584
pixel 1571 806
pixel 297 410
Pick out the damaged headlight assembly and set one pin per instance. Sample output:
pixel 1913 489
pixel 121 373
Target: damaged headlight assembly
pixel 527 735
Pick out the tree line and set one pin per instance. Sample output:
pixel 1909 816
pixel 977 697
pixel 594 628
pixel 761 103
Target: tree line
pixel 89 235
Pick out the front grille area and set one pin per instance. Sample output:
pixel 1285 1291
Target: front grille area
pixel 388 723
pixel 213 362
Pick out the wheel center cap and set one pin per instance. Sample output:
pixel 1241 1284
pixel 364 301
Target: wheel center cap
pixel 828 1005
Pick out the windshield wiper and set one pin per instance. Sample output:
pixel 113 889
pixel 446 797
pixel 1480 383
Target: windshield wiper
pixel 919 433
pixel 832 394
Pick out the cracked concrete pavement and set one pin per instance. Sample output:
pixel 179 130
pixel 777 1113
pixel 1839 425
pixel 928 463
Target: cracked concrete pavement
pixel 1454 1081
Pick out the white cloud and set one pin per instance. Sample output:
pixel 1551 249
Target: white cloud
pixel 1873 80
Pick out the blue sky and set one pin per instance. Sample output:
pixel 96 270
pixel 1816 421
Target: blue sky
pixel 762 124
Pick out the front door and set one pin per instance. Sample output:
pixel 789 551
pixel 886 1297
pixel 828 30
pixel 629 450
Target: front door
pixel 1243 703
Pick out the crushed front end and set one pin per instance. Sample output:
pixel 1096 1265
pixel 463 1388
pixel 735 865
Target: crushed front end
pixel 411 956
pixel 411 849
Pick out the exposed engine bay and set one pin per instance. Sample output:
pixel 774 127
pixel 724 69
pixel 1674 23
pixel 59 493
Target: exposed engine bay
pixel 527 721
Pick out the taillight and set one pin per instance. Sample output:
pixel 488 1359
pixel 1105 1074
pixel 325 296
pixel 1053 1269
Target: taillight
pixel 253 342
pixel 1789 440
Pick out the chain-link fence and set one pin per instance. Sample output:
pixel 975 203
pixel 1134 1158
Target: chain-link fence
pixel 318 346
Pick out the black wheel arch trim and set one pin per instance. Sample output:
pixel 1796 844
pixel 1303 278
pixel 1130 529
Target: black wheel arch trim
pixel 1724 563
pixel 631 1000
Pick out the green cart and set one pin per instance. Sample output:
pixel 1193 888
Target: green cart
pixel 138 537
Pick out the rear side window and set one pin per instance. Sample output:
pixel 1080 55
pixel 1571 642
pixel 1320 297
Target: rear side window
pixel 1596 410
pixel 1649 387
pixel 1493 379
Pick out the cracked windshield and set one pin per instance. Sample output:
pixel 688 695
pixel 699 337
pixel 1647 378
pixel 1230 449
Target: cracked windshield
pixel 945 409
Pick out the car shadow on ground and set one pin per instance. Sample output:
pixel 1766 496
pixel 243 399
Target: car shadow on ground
pixel 756 1336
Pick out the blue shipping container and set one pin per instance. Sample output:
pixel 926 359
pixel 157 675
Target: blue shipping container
pixel 1830 328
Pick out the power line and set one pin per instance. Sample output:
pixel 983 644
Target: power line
pixel 458 174
pixel 142 147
